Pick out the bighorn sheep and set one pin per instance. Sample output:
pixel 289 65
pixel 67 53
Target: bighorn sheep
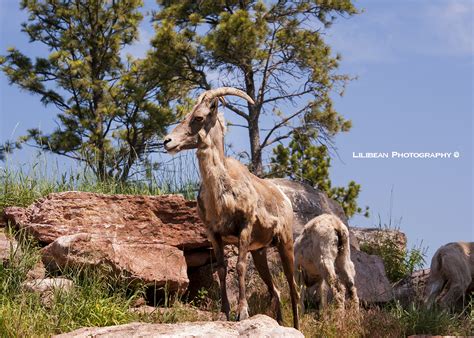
pixel 236 206
pixel 322 255
pixel 452 270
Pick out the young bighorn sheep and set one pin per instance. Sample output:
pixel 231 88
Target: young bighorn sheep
pixel 236 206
pixel 452 270
pixel 322 255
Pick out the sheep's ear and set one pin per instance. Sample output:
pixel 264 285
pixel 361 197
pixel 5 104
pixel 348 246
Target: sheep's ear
pixel 214 105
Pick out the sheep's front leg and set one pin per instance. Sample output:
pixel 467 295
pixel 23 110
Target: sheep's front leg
pixel 218 247
pixel 244 239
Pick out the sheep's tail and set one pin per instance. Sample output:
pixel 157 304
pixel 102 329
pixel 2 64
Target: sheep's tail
pixel 343 245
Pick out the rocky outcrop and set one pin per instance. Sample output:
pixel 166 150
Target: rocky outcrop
pixel 143 238
pixel 372 236
pixel 159 240
pixel 257 326
pixel 164 219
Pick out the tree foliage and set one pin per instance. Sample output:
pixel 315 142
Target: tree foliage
pixel 305 162
pixel 274 51
pixel 111 108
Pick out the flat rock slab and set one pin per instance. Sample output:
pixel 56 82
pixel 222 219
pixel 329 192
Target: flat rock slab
pixel 257 326
pixel 164 219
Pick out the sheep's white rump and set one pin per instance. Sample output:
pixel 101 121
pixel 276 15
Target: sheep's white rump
pixel 451 275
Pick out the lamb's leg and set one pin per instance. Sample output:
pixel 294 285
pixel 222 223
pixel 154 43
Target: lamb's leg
pixel 433 289
pixel 455 290
pixel 287 260
pixel 346 274
pixel 261 264
pixel 322 297
pixel 329 273
pixel 218 246
pixel 243 312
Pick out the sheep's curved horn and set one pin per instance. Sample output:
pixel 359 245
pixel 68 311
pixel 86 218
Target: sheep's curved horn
pixel 222 91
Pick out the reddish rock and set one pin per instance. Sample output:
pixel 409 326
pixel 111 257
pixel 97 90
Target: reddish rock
pixel 164 219
pixel 154 264
pixel 140 237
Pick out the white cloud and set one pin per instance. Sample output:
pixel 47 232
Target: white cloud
pixel 384 33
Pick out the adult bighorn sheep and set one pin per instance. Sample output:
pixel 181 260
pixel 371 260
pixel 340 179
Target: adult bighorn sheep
pixel 236 206
pixel 322 255
pixel 451 274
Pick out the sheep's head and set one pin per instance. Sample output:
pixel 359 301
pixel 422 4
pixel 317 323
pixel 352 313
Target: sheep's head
pixel 193 131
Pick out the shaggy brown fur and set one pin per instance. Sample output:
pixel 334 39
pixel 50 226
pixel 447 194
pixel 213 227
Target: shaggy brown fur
pixel 322 255
pixel 451 275
pixel 236 206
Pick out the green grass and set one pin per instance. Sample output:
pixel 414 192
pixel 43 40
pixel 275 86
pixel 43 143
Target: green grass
pixel 20 187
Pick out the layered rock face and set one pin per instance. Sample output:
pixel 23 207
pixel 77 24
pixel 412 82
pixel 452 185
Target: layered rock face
pixel 142 238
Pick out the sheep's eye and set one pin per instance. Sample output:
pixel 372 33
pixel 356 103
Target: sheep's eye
pixel 198 118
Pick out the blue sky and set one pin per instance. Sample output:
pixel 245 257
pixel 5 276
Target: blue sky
pixel 414 93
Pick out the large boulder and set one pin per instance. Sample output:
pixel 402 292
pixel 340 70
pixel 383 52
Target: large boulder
pixel 164 219
pixel 157 265
pixel 257 326
pixel 143 238
pixel 309 202
pixel 371 280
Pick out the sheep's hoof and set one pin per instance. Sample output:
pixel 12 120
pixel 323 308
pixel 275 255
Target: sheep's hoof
pixel 244 314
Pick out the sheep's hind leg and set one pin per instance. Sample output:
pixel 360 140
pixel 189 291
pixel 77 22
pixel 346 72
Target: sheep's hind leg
pixel 338 291
pixel 218 247
pixel 243 312
pixel 287 259
pixel 346 274
pixel 261 264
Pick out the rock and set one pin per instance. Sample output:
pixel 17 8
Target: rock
pixel 257 326
pixel 371 236
pixel 308 203
pixel 371 281
pixel 139 237
pixel 411 288
pixel 153 264
pixel 37 272
pixel 8 247
pixel 164 219
pixel 47 287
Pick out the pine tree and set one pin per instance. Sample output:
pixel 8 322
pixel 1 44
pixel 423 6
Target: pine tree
pixel 111 109
pixel 309 163
pixel 274 51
